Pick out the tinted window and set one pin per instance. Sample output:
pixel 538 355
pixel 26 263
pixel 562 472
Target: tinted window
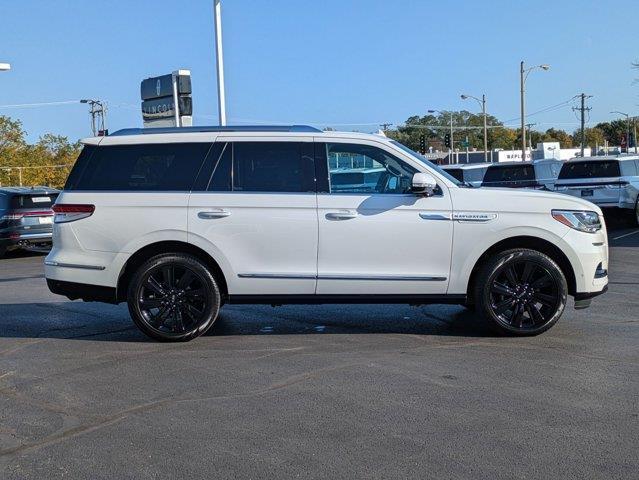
pixel 354 168
pixel 37 200
pixel 271 167
pixel 458 173
pixel 629 168
pixel 4 200
pixel 515 173
pixel 596 169
pixel 474 174
pixel 221 180
pixel 147 167
pixel 79 166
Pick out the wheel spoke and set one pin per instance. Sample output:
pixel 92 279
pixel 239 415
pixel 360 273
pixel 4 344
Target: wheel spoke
pixel 535 315
pixel 501 289
pixel 548 300
pixel 529 269
pixel 155 286
pixel 148 303
pixel 542 282
pixel 186 279
pixel 198 292
pixel 177 319
pixel 518 315
pixel 511 275
pixel 168 274
pixel 503 306
pixel 193 310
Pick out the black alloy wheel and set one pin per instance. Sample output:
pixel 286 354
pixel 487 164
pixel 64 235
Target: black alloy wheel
pixel 174 297
pixel 522 292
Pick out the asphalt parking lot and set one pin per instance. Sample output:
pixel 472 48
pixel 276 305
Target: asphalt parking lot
pixel 318 392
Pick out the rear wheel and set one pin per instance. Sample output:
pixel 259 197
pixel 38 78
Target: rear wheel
pixel 635 217
pixel 521 292
pixel 173 297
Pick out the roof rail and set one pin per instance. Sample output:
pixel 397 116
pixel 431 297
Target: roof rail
pixel 239 128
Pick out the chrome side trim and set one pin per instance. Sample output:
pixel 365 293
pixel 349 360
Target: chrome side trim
pixel 436 216
pixel 290 276
pixel 34 235
pixel 404 278
pixel 309 276
pixel 51 263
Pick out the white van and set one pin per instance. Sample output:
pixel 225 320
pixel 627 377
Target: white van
pixel 178 222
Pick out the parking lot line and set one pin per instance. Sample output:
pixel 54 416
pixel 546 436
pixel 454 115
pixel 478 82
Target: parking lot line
pixel 626 235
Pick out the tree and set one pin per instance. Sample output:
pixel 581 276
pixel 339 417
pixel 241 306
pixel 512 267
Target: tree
pixel 593 136
pixel 613 131
pixel 558 135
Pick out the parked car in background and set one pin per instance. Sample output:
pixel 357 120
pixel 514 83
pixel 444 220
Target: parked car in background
pixel 470 173
pixel 26 218
pixel 606 181
pixel 538 174
pixel 361 179
pixel 179 221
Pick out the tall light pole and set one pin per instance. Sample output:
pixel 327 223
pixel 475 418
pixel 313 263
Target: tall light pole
pixel 5 67
pixel 219 63
pixel 627 129
pixel 452 144
pixel 98 109
pixel 523 75
pixel 482 102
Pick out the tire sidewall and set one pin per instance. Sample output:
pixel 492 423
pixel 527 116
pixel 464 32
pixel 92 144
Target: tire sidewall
pixel 194 264
pixel 492 269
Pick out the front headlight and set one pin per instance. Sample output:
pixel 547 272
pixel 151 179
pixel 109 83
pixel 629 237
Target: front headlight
pixel 582 220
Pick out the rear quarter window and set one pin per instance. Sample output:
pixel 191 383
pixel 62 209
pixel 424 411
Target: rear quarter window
pixel 597 169
pixel 142 167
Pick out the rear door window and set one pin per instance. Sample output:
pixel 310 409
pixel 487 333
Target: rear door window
pixel 497 175
pixel 276 167
pixel 142 167
pixel 595 169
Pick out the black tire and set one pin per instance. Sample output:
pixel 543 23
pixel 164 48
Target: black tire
pixel 3 251
pixel 521 292
pixel 635 214
pixel 173 297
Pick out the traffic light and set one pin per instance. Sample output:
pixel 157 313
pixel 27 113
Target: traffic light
pixel 422 144
pixel 447 140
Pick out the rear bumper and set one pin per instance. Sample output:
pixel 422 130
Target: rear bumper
pixel 88 293
pixel 25 239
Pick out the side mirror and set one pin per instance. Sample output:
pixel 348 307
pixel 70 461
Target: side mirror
pixel 423 184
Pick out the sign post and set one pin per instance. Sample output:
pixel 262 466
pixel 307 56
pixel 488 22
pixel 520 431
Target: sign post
pixel 166 100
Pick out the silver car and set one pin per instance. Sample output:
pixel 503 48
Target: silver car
pixel 607 181
pixel 471 173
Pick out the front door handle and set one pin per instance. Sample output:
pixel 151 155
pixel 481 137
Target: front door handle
pixel 341 215
pixel 209 214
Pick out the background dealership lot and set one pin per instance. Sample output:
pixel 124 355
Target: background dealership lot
pixel 318 392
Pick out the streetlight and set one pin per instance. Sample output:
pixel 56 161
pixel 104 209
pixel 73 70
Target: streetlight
pixel 97 109
pixel 219 62
pixel 5 67
pixel 523 75
pixel 482 102
pixel 627 130
pixel 451 132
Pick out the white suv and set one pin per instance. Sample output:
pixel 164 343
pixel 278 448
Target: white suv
pixel 177 222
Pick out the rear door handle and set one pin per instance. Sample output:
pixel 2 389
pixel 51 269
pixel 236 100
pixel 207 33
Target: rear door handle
pixel 209 214
pixel 341 215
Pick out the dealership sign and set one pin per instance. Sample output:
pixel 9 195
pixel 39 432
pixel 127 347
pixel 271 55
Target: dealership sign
pixel 160 97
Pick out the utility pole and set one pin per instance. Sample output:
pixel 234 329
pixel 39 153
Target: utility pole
pixel 385 126
pixel 219 63
pixel 98 111
pixel 481 102
pixel 582 110
pixel 529 126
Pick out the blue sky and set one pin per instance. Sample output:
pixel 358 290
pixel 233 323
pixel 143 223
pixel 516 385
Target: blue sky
pixel 330 62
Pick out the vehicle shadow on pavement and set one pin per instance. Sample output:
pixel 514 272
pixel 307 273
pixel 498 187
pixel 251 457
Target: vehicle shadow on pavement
pixel 98 322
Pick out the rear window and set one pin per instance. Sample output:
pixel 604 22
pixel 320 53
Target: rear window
pixel 36 200
pixel 599 169
pixel 515 173
pixel 145 167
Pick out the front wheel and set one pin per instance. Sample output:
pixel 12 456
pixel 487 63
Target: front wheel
pixel 173 297
pixel 521 292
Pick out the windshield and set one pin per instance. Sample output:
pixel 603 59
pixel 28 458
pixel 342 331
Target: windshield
pixel 424 160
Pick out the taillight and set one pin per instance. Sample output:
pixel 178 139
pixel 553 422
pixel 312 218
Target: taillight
pixel 10 215
pixel 68 212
